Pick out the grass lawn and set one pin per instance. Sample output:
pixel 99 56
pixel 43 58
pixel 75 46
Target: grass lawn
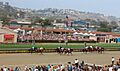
pixel 55 45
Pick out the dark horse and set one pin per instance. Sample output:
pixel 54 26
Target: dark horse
pixel 60 50
pixel 32 50
pixel 92 49
pixel 36 50
pixel 68 51
pixel 40 50
pixel 100 49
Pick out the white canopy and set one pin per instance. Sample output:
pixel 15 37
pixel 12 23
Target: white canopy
pixel 15 31
pixel 18 29
pixel 75 33
pixel 85 34
pixel 29 32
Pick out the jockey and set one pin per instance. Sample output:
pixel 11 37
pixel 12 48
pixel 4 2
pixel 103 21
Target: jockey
pixel 96 47
pixel 58 48
pixel 33 47
pixel 41 48
pixel 62 48
pixel 68 49
pixel 100 47
pixel 91 46
pixel 86 47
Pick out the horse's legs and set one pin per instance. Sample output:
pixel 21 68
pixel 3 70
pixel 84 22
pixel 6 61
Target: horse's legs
pixel 70 53
pixel 31 52
pixel 86 51
pixel 41 52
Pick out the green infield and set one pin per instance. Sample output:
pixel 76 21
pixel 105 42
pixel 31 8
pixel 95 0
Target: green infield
pixel 55 45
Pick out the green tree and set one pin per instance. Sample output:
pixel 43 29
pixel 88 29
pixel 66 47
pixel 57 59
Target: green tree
pixel 114 24
pixel 47 22
pixel 5 21
pixel 104 27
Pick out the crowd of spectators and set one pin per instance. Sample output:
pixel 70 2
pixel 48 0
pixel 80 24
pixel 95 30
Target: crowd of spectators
pixel 51 36
pixel 70 66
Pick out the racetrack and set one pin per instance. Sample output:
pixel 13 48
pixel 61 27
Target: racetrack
pixel 54 58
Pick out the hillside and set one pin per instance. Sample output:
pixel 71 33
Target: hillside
pixel 53 13
pixel 74 14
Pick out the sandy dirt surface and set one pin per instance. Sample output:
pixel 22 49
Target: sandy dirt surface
pixel 54 58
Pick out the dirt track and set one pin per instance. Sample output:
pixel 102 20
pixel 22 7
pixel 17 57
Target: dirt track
pixel 54 58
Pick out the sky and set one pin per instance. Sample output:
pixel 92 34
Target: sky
pixel 107 7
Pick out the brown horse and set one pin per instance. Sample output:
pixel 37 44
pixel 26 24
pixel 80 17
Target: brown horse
pixel 100 49
pixel 92 49
pixel 60 50
pixel 40 50
pixel 32 50
pixel 68 51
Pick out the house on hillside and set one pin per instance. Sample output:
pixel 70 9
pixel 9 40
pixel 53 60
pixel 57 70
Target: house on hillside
pixel 59 24
pixel 83 25
pixel 23 24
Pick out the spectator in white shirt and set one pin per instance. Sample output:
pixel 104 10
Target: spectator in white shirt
pixel 76 62
pixel 113 60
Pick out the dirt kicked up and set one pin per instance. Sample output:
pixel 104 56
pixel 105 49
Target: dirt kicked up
pixel 54 58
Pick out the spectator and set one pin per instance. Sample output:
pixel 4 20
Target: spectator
pixel 36 69
pixel 76 62
pixel 86 68
pixel 110 67
pixel 69 66
pixel 5 69
pixel 1 69
pixel 32 69
pixel 113 60
pixel 118 69
pixel 48 66
pixel 62 67
pixel 11 69
pixel 94 67
pixel 82 64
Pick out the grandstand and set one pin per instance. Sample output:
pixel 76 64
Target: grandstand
pixel 27 34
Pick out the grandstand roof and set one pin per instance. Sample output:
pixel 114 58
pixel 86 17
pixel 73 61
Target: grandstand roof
pixel 116 35
pixel 108 33
pixel 59 30
pixel 4 30
pixel 64 30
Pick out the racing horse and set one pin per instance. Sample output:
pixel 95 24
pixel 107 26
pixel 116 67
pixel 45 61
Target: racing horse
pixel 36 50
pixel 68 51
pixel 86 49
pixel 100 49
pixel 40 50
pixel 60 50
pixel 32 50
pixel 92 49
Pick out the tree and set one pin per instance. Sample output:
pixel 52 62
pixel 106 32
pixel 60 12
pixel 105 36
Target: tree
pixel 103 24
pixel 41 21
pixel 47 22
pixel 104 27
pixel 114 24
pixel 5 21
